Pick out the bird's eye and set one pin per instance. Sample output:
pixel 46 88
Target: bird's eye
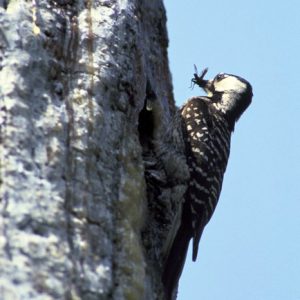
pixel 220 76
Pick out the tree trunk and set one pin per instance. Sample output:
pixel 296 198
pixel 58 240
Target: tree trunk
pixel 92 165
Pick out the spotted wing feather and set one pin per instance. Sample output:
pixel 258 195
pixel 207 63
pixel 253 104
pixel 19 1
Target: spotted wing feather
pixel 207 146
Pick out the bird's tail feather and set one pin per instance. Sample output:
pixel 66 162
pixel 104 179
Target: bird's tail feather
pixel 175 261
pixel 196 240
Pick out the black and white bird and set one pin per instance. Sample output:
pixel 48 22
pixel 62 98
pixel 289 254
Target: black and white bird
pixel 207 124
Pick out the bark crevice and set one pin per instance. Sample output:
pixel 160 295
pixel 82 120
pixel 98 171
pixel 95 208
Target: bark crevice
pixel 92 170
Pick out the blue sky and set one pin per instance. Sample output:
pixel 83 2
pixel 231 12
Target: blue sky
pixel 250 250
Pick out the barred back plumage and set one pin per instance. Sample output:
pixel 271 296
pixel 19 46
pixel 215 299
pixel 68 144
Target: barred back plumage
pixel 207 151
pixel 207 124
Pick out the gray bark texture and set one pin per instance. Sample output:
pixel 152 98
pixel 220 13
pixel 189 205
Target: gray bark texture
pixel 92 167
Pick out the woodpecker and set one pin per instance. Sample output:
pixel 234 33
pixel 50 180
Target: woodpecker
pixel 207 123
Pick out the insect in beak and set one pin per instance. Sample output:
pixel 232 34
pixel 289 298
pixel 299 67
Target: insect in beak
pixel 200 81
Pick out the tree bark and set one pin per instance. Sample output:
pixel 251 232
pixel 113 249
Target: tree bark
pixel 92 169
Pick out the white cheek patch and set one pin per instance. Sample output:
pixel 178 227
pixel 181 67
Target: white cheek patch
pixel 227 103
pixel 230 83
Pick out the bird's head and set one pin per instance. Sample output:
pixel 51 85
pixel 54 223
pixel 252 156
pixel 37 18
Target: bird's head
pixel 229 94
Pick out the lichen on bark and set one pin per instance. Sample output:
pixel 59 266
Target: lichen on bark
pixel 78 212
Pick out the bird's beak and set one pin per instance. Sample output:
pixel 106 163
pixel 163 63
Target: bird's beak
pixel 208 87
